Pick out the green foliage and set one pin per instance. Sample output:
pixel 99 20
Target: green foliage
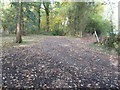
pixel 58 32
pixel 102 27
pixel 77 17
pixel 113 41
pixel 96 21
pixel 65 18
pixel 9 19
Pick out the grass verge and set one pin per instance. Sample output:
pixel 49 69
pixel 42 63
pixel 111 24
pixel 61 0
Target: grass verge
pixel 104 49
pixel 8 41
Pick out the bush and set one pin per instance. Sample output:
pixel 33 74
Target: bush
pixel 113 42
pixel 58 32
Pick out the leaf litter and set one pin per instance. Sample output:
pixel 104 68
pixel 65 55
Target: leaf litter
pixel 60 62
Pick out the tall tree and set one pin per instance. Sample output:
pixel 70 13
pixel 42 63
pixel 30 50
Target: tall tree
pixel 19 24
pixel 47 10
pixel 77 18
pixel 39 21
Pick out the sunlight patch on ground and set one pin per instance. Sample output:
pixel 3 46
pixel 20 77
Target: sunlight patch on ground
pixel 9 41
pixel 22 46
pixel 66 45
pixel 113 62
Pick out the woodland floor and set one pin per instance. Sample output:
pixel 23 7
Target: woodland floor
pixel 59 62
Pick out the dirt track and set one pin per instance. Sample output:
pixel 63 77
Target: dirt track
pixel 59 62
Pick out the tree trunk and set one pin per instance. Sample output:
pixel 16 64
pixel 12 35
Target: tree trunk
pixel 19 25
pixel 46 5
pixel 39 21
pixel 47 20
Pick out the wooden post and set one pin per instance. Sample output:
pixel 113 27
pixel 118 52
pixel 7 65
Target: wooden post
pixel 97 37
pixel 81 34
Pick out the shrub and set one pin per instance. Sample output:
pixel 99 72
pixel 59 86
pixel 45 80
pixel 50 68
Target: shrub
pixel 113 42
pixel 58 32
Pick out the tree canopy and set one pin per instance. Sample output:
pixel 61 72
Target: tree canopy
pixel 56 18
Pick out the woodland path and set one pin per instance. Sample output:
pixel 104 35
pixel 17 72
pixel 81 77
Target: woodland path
pixel 59 62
